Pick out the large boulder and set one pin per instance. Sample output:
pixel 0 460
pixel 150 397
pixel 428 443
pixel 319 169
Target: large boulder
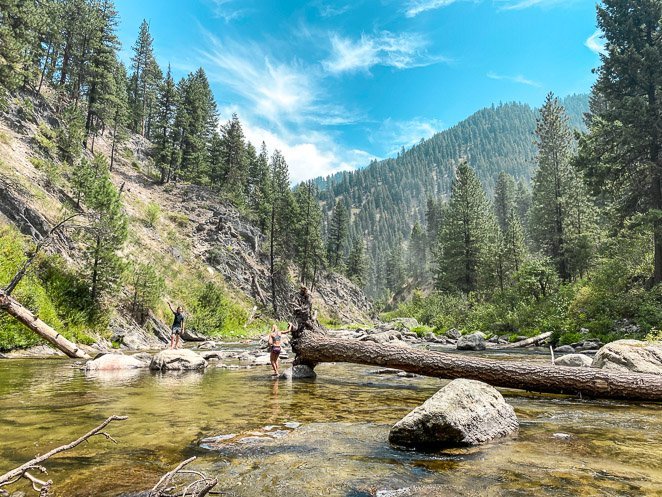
pixel 453 334
pixel 630 355
pixel 114 362
pixel 464 412
pixel 177 360
pixel 574 361
pixel 298 372
pixel 564 349
pixel 471 342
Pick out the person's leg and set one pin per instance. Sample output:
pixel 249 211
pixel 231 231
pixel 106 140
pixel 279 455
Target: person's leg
pixel 172 341
pixel 273 358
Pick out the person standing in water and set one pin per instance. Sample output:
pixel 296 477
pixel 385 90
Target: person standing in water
pixel 275 339
pixel 178 326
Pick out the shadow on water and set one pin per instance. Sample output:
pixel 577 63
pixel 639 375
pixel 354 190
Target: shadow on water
pixel 316 437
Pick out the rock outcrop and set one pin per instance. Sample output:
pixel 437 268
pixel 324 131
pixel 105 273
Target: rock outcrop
pixel 177 360
pixel 630 355
pixel 114 362
pixel 474 341
pixel 464 412
pixel 298 372
pixel 574 360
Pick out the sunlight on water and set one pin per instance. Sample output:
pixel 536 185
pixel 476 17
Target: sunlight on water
pixel 322 437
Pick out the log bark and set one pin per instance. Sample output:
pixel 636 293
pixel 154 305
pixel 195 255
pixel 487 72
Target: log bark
pixel 528 341
pixel 12 307
pixel 312 348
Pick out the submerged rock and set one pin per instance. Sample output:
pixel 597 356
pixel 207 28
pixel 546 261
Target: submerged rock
pixel 113 362
pixel 630 355
pixel 298 372
pixel 574 361
pixel 464 412
pixel 475 341
pixel 177 360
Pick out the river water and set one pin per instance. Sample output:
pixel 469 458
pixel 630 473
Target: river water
pixel 326 437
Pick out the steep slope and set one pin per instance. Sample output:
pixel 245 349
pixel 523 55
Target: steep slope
pixel 196 239
pixel 389 196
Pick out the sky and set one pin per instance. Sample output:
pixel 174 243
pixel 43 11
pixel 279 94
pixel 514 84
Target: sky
pixel 336 84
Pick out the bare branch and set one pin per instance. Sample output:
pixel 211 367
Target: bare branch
pixel 165 479
pixel 21 471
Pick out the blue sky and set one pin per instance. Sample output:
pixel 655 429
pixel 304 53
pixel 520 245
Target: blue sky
pixel 334 84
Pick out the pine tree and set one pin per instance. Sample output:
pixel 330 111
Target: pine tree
pixel 18 23
pixel 623 152
pixel 394 268
pixel 504 199
pixel 561 211
pixel 357 263
pixel 120 112
pixel 418 244
pixel 523 204
pixel 337 236
pixel 464 234
pixel 309 245
pixel 143 78
pixel 164 126
pixel 258 187
pixel 232 170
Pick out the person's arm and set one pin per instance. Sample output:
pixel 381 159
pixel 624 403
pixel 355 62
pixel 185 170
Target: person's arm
pixel 171 309
pixel 290 327
pixel 270 339
pixel 183 322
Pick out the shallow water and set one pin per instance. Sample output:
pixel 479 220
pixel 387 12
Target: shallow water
pixel 338 448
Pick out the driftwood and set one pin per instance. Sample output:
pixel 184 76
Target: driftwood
pixel 201 485
pixel 41 486
pixel 528 341
pixel 312 346
pixel 12 307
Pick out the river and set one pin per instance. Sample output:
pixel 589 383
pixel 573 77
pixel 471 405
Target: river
pixel 324 437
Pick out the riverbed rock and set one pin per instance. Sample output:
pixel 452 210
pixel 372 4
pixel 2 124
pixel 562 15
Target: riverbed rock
pixel 114 362
pixel 298 372
pixel 471 342
pixel 564 349
pixel 177 360
pixel 630 355
pixel 409 323
pixel 464 412
pixel 453 334
pixel 574 361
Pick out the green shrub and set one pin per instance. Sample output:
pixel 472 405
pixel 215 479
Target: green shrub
pixel 50 168
pixel 179 219
pixel 212 313
pixel 46 140
pixel 5 137
pixel 152 214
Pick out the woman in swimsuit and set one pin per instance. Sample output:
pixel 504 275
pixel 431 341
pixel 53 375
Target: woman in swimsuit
pixel 275 339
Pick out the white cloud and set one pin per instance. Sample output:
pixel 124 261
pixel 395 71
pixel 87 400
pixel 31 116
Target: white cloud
pixel 394 134
pixel 228 10
pixel 525 4
pixel 401 51
pixel 418 6
pixel 308 155
pixel 594 43
pixel 515 79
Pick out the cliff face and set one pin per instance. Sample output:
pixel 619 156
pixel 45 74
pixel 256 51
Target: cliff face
pixel 197 234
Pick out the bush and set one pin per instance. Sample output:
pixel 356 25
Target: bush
pixel 50 169
pixel 211 313
pixel 152 214
pixel 45 138
pixel 179 219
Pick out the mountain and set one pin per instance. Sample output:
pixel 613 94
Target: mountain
pixel 389 196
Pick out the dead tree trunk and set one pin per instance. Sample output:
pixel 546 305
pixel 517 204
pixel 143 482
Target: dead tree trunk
pixel 528 341
pixel 312 349
pixel 25 316
pixel 312 346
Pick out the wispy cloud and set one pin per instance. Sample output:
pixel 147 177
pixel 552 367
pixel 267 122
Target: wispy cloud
pixel 228 10
pixel 525 4
pixel 595 43
pixel 327 9
pixel 515 79
pixel 401 51
pixel 418 6
pixel 397 134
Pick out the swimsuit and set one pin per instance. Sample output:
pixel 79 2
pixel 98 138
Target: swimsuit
pixel 275 349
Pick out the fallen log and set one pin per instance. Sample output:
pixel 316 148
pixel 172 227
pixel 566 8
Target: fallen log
pixel 312 348
pixel 528 341
pixel 12 307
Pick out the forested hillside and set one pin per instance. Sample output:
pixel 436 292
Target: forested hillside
pixel 164 200
pixel 389 197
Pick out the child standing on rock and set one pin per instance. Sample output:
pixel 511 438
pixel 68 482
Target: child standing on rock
pixel 274 340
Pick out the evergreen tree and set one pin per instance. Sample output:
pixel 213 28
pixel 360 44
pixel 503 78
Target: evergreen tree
pixel 309 245
pixel 395 269
pixel 523 204
pixel 164 128
pixel 504 199
pixel 337 235
pixel 464 234
pixel 258 187
pixel 418 251
pixel 120 112
pixel 561 211
pixel 623 151
pixel 233 168
pixel 357 263
pixel 18 22
pixel 143 79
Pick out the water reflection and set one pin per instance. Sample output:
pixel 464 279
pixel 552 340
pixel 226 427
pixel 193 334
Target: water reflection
pixel 340 447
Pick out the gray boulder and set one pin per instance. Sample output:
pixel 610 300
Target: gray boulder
pixel 453 334
pixel 574 361
pixel 177 360
pixel 564 349
pixel 464 412
pixel 630 355
pixel 114 362
pixel 408 323
pixel 471 342
pixel 298 372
